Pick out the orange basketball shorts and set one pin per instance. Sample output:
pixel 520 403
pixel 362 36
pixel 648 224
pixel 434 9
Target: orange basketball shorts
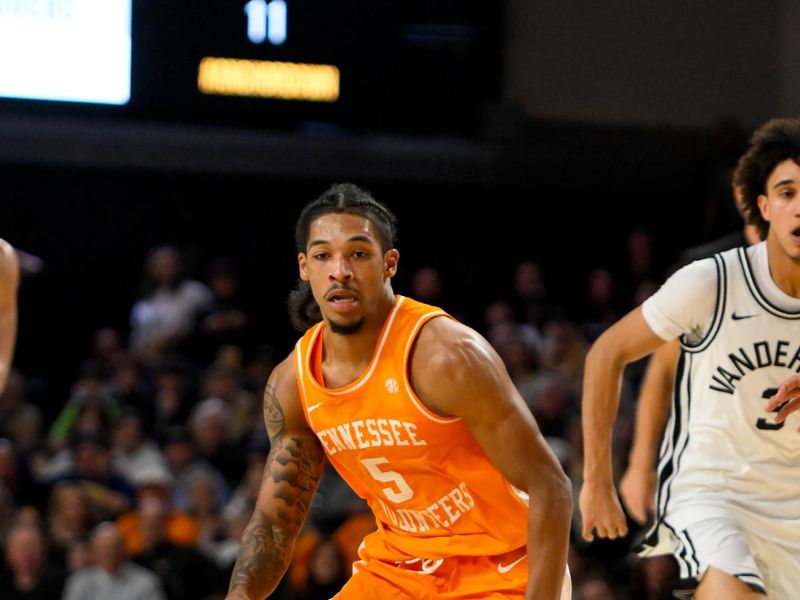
pixel 502 577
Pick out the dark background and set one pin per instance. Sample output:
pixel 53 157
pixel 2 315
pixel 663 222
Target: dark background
pixel 456 114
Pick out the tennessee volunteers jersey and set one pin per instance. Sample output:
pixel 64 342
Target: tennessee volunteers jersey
pixel 433 490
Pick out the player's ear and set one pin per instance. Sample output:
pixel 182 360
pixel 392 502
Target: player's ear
pixel 390 260
pixel 763 206
pixel 302 265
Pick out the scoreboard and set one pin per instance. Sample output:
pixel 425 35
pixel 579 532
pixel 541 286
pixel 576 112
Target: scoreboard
pixel 358 64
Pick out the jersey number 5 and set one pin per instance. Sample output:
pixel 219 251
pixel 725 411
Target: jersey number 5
pixel 401 490
pixel 763 423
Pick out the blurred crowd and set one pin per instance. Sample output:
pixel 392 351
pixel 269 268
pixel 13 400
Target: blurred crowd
pixel 152 466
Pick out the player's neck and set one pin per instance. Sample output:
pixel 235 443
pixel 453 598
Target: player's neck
pixel 356 348
pixel 784 270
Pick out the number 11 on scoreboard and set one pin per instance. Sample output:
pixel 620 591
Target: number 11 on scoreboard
pixel 266 21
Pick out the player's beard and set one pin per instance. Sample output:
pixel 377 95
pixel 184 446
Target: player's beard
pixel 350 329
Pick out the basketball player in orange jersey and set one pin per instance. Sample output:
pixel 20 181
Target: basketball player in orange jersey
pixel 9 280
pixel 419 416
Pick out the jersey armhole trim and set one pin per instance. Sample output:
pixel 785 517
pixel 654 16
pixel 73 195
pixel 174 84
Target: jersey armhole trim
pixel 519 495
pixel 407 366
pixel 301 384
pixel 719 310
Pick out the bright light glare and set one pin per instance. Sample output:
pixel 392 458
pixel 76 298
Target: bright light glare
pixel 69 50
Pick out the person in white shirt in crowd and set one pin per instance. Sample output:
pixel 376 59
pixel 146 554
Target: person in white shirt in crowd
pixel 168 307
pixel 112 577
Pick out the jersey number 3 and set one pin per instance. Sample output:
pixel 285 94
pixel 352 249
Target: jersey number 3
pixel 400 492
pixel 762 423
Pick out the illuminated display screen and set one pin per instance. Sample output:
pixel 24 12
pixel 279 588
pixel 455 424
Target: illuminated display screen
pixel 66 50
pixel 417 66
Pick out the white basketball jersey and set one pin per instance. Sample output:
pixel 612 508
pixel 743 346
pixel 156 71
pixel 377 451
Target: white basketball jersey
pixel 720 445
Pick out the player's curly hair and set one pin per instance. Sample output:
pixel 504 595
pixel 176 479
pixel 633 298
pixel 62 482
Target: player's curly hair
pixel 339 198
pixel 771 144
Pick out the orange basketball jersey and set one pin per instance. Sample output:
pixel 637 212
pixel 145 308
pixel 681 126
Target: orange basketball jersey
pixel 433 490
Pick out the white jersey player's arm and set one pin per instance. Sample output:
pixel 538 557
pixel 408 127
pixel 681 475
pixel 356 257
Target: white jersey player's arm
pixel 638 484
pixel 627 340
pixel 684 305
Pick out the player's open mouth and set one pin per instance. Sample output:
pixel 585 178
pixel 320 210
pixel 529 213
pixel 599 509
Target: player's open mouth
pixel 341 297
pixel 343 302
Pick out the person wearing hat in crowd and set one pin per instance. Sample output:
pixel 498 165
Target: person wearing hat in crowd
pixel 180 527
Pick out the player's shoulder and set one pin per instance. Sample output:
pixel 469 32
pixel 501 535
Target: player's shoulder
pixel 453 366
pixel 284 377
pixel 288 366
pixel 445 346
pixel 282 402
pixel 704 271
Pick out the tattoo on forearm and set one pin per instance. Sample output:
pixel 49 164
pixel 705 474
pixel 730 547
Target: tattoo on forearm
pixel 262 557
pixel 293 469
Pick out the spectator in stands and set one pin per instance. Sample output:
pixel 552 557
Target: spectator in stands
pixel 185 573
pixel 225 321
pixel 180 527
pixel 112 577
pixel 27 575
pixel 110 491
pixel 133 453
pixel 16 478
pixel 175 394
pixel 184 465
pixel 168 305
pixel 90 409
pixel 224 381
pixel 210 424
pixel 70 517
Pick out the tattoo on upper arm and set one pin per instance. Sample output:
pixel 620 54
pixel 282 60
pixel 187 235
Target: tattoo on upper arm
pixel 293 469
pixel 273 413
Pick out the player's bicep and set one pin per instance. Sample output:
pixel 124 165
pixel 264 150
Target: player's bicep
pixel 481 393
pixel 504 427
pixel 515 446
pixel 627 340
pixel 291 475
